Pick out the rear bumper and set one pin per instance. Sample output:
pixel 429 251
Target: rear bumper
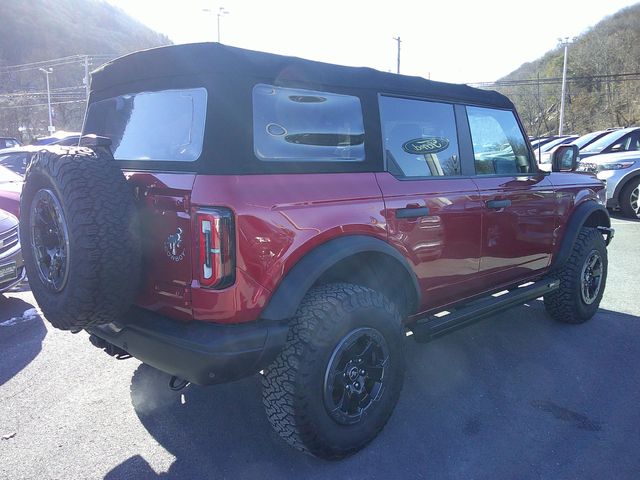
pixel 202 353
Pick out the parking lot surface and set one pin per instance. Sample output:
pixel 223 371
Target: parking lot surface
pixel 514 396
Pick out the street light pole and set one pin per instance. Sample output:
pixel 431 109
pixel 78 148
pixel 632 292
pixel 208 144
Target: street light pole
pixel 564 42
pixel 397 39
pixel 47 72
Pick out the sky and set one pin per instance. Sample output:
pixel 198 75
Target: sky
pixel 450 40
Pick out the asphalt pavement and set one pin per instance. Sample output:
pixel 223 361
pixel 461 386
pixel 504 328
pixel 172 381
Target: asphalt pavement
pixel 515 396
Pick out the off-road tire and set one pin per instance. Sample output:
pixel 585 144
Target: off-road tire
pixel 625 199
pixel 103 231
pixel 566 303
pixel 293 384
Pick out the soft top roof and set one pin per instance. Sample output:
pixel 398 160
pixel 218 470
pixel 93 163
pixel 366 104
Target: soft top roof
pixel 209 58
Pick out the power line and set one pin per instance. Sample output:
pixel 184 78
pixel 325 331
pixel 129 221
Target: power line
pixel 633 76
pixel 42 104
pixel 55 62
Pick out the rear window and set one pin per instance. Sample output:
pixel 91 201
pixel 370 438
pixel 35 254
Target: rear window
pixel 305 125
pixel 167 125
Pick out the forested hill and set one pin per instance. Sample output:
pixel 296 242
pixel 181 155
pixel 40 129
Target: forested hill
pixel 65 37
pixel 604 80
pixel 35 30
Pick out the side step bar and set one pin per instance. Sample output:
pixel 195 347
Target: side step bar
pixel 434 326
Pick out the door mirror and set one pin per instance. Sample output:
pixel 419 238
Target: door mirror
pixel 565 158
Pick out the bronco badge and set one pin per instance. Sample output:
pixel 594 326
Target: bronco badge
pixel 173 244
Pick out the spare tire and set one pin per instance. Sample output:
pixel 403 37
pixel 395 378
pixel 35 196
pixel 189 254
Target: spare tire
pixel 80 236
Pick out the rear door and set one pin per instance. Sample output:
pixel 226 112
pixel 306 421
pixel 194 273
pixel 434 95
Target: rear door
pixel 433 212
pixel 518 202
pixel 156 136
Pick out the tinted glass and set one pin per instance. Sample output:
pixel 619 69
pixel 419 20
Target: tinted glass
pixel 166 125
pixel 304 125
pixel 7 175
pixel 558 141
pixel 16 162
pixel 499 146
pixel 605 141
pixel 586 139
pixel 420 138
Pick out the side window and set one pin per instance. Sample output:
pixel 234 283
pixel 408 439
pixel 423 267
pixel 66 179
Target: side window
pixel 303 125
pixel 629 142
pixel 420 138
pixel 499 146
pixel 166 125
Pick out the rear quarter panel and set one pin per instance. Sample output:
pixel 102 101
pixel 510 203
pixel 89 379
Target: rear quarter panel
pixel 279 218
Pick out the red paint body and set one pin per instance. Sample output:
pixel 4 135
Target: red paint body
pixel 460 250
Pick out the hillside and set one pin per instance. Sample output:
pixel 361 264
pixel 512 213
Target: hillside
pixel 34 30
pixel 604 80
pixel 66 30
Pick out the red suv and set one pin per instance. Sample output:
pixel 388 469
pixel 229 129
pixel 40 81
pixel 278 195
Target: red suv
pixel 235 212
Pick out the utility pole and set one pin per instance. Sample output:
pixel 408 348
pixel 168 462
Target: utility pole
pixel 564 42
pixel 86 76
pixel 47 72
pixel 397 39
pixel 220 13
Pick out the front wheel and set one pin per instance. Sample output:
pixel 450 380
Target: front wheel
pixel 630 199
pixel 582 280
pixel 336 382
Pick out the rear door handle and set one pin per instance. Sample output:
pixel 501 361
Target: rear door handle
pixel 412 212
pixel 498 204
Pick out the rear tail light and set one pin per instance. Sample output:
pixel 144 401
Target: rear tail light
pixel 216 259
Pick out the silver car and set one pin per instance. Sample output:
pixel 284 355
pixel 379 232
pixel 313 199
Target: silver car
pixel 12 269
pixel 621 174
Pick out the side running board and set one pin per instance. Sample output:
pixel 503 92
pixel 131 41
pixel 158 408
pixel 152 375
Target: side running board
pixel 439 324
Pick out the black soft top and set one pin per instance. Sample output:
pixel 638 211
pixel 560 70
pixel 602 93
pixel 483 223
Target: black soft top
pixel 213 58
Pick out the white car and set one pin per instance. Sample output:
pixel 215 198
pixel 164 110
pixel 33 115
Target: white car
pixel 621 174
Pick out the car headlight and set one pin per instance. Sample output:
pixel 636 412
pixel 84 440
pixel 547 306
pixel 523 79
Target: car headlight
pixel 615 165
pixel 587 167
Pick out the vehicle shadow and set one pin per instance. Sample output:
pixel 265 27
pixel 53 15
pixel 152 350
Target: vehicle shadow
pixel 515 396
pixel 21 334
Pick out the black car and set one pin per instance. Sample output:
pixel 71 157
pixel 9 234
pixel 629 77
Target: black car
pixel 11 264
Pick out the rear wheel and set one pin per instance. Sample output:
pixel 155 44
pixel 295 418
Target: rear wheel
pixel 630 199
pixel 80 237
pixel 335 384
pixel 582 280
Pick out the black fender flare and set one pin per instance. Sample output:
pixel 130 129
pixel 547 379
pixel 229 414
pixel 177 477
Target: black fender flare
pixel 289 293
pixel 589 213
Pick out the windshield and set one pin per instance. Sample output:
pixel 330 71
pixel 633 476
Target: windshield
pixel 7 176
pixel 580 142
pixel 558 141
pixel 166 126
pixel 17 162
pixel 605 141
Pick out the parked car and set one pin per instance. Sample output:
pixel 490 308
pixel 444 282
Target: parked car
pixel 8 142
pixel 58 138
pixel 12 269
pixel 540 141
pixel 589 138
pixel 10 188
pixel 621 174
pixel 17 159
pixel 543 153
pixel 238 212
pixel 623 140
